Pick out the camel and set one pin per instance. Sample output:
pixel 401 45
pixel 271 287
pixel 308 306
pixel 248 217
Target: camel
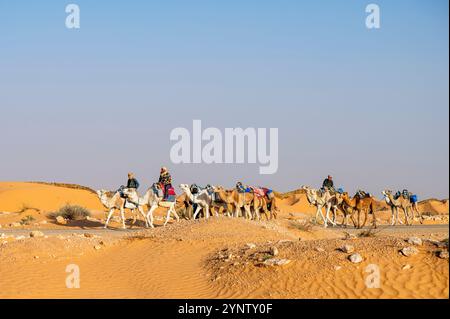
pixel 361 204
pixel 153 200
pixel 242 201
pixel 395 204
pixel 322 199
pixel 346 210
pixel 113 201
pixel 249 201
pixel 202 199
pixel 268 204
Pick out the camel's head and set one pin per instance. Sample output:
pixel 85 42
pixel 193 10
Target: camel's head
pixel 386 192
pixel 101 193
pixel 184 186
pixel 345 195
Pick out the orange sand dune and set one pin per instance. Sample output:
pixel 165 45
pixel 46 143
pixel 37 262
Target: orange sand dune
pixel 16 195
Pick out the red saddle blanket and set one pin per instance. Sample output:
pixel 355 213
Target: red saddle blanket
pixel 260 192
pixel 170 191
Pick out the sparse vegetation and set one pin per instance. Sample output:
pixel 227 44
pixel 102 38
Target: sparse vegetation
pixel 27 220
pixel 26 207
pixel 371 232
pixel 71 212
pixel 304 225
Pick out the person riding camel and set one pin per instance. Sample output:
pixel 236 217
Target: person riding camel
pixel 241 188
pixel 132 181
pixel 132 184
pixel 166 180
pixel 328 183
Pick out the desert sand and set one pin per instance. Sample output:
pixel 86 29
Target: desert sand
pixel 215 258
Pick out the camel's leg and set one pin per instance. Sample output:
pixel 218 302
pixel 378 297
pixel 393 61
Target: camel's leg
pixel 167 217
pixel 171 210
pixel 374 218
pixel 366 216
pixel 174 212
pixel 334 214
pixel 141 211
pixel 319 211
pixel 405 211
pixel 150 215
pixel 398 216
pixel 111 211
pixel 237 210
pixel 266 212
pixel 393 220
pixel 207 212
pixel 257 215
pixel 122 216
pixel 352 217
pixel 327 214
pixel 133 211
pixel 196 212
pixel 358 216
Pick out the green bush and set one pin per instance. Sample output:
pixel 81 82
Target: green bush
pixel 27 220
pixel 71 212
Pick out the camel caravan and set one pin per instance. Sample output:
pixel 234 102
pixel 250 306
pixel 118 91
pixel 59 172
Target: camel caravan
pixel 361 204
pixel 253 203
pixel 247 202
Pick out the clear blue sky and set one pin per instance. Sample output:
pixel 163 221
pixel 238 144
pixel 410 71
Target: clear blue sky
pixel 86 106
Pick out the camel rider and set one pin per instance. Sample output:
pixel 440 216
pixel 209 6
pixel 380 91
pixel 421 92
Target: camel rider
pixel 132 181
pixel 241 188
pixel 166 180
pixel 328 183
pixel 132 184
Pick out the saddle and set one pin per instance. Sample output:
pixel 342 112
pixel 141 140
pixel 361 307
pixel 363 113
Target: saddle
pixel 262 192
pixel 405 194
pixel 159 190
pixel 362 194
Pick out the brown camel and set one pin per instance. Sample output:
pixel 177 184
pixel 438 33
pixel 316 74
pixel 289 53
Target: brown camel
pixel 237 201
pixel 400 202
pixel 361 204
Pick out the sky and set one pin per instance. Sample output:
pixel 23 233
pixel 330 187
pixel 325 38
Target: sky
pixel 88 105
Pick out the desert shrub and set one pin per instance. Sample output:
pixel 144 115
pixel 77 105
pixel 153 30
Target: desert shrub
pixel 27 220
pixel 26 207
pixel 371 232
pixel 303 225
pixel 71 212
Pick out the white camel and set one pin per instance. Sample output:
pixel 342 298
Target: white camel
pixel 322 199
pixel 202 199
pixel 153 200
pixel 395 204
pixel 113 201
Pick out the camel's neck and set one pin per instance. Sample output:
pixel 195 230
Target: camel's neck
pixel 223 196
pixel 349 202
pixel 107 201
pixel 188 193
